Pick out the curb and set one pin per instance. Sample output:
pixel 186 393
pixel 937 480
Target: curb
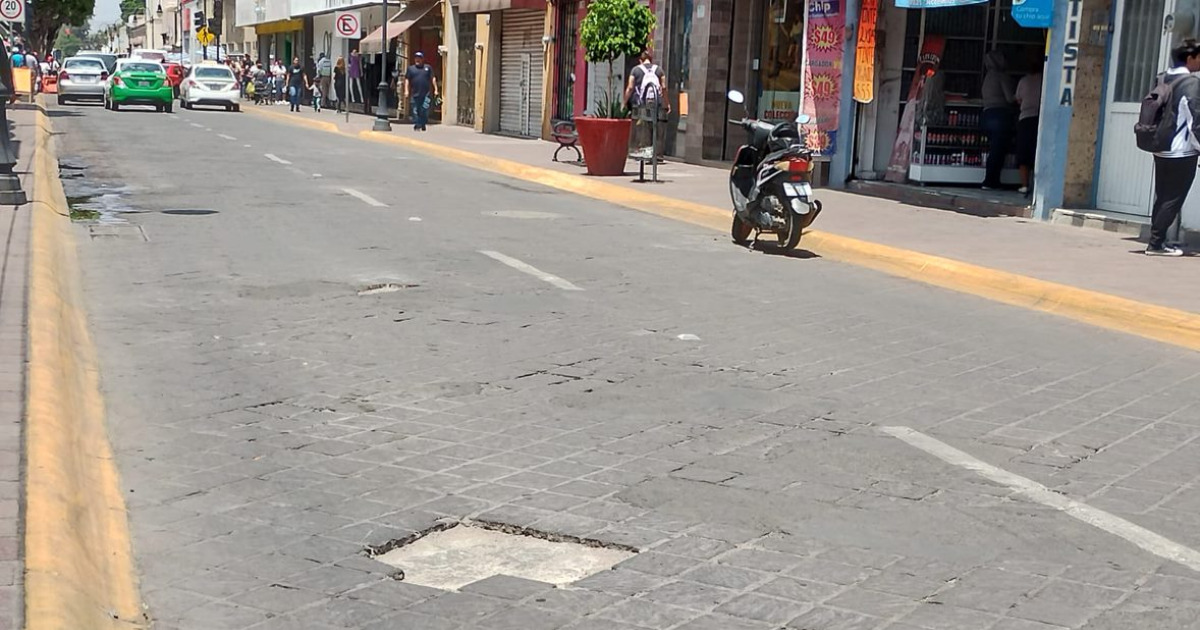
pixel 79 570
pixel 1160 323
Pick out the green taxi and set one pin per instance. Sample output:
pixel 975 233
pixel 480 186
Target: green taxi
pixel 138 82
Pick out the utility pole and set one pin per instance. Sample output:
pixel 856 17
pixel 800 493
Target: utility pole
pixel 381 112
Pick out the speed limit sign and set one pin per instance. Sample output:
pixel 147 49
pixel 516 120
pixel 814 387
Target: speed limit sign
pixel 12 10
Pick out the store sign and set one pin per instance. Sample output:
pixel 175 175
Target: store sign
pixel 1033 13
pixel 935 4
pixel 823 74
pixel 864 58
pixel 1071 53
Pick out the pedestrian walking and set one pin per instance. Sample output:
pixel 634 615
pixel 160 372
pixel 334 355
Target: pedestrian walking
pixel 324 74
pixel 339 84
pixel 422 88
pixel 354 74
pixel 1174 134
pixel 278 80
pixel 997 118
pixel 1029 98
pixel 296 81
pixel 647 87
pixel 314 88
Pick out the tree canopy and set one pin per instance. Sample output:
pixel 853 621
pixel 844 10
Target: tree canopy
pixel 49 16
pixel 613 28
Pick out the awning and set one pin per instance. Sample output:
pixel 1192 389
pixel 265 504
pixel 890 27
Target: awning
pixel 402 21
pixel 484 6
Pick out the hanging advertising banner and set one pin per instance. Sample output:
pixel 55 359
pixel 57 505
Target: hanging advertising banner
pixel 864 59
pixel 823 74
pixel 1033 13
pixel 932 50
pixel 935 4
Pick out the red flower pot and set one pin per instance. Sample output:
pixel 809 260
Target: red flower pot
pixel 605 143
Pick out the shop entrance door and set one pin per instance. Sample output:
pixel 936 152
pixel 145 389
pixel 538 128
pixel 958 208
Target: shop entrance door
pixel 1143 36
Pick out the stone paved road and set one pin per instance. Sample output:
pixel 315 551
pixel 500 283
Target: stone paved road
pixel 271 423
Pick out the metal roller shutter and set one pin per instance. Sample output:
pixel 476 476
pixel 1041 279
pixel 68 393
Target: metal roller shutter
pixel 521 72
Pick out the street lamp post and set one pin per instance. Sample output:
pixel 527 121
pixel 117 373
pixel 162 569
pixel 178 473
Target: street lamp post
pixel 158 12
pixel 381 111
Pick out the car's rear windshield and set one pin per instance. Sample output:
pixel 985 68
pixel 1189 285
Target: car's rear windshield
pixel 213 73
pixel 142 67
pixel 80 64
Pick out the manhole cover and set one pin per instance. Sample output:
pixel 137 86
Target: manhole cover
pixel 189 212
pixel 452 558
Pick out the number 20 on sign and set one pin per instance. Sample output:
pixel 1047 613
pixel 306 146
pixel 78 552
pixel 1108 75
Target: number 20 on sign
pixel 12 10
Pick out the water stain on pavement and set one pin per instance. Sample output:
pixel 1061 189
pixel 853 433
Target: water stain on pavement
pixel 91 201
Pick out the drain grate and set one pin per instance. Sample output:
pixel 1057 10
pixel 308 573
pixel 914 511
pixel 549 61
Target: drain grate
pixel 452 555
pixel 385 287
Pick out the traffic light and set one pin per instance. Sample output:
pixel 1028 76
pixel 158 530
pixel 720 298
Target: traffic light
pixel 214 23
pixel 198 20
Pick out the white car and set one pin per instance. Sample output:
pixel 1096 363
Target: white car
pixel 210 85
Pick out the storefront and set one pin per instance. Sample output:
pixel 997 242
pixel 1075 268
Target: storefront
pixel 925 125
pixel 283 40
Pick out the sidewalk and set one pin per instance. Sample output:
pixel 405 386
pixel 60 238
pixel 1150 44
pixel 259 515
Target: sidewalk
pixel 14 260
pixel 1085 258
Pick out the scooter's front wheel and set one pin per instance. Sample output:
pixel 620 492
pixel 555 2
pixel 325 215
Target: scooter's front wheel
pixel 740 230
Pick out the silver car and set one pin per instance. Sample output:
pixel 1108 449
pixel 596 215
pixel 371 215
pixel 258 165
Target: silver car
pixel 81 78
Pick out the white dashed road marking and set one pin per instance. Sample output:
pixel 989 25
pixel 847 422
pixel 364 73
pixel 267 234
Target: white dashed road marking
pixel 531 270
pixel 221 135
pixel 1034 491
pixel 365 198
pixel 275 158
pixel 197 125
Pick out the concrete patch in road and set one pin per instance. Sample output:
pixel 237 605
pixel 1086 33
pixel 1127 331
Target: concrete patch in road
pixel 451 558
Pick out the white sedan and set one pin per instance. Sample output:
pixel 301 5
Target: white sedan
pixel 210 85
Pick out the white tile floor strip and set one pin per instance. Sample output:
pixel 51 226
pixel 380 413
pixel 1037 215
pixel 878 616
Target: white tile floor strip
pixel 365 198
pixel 1115 525
pixel 275 158
pixel 531 270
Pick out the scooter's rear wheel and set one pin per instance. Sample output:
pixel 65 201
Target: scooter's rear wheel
pixel 740 230
pixel 789 237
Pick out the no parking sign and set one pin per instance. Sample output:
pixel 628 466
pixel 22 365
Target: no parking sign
pixel 345 23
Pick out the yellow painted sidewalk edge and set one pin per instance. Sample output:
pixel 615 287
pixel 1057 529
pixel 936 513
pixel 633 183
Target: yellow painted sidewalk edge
pixel 1161 323
pixel 79 570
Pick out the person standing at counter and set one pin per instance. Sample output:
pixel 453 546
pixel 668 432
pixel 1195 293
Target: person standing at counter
pixel 997 119
pixel 1029 97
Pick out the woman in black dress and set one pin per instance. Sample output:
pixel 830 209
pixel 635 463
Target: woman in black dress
pixel 339 83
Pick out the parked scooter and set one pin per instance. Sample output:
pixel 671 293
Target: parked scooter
pixel 771 181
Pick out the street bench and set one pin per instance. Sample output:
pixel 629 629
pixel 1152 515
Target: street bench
pixel 564 133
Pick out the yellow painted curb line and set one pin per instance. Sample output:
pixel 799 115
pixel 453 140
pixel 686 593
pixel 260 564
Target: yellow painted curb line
pixel 79 570
pixel 1161 323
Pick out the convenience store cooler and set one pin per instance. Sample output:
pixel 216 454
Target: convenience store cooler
pixel 956 151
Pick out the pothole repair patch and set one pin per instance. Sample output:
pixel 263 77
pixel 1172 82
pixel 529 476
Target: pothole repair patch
pixel 451 558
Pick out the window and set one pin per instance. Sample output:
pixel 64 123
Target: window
pixel 213 73
pixel 1141 41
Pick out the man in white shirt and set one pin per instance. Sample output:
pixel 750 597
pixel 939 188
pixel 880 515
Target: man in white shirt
pixel 1175 170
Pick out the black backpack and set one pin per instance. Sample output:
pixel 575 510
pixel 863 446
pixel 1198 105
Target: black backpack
pixel 1156 126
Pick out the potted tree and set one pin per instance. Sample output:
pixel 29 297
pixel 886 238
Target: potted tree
pixel 610 29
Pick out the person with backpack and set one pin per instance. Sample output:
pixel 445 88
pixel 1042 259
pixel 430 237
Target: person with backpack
pixel 647 82
pixel 1169 127
pixel 647 86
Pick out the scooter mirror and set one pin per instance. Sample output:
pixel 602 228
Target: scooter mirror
pixel 737 97
pixel 803 119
